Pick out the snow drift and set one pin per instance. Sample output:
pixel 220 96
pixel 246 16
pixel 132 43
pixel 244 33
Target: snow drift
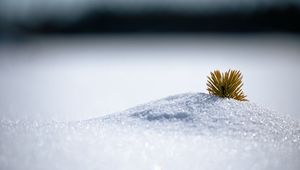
pixel 186 131
pixel 200 113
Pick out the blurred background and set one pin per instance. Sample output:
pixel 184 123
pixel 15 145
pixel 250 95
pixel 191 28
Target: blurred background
pixel 68 60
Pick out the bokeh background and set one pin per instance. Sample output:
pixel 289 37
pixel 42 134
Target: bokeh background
pixel 66 60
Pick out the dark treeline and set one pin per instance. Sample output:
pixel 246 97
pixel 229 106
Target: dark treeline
pixel 284 19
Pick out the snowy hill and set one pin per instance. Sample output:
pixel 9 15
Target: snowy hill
pixel 200 113
pixel 186 131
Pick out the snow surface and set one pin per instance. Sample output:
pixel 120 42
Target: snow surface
pixel 186 131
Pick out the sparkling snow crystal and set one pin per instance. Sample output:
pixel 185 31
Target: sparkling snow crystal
pixel 187 131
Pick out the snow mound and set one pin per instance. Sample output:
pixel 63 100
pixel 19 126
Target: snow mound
pixel 188 131
pixel 203 114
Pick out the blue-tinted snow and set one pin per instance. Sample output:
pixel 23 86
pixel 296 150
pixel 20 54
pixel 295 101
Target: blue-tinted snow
pixel 186 131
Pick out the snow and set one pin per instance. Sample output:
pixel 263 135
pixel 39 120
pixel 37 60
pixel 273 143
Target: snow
pixel 78 78
pixel 185 131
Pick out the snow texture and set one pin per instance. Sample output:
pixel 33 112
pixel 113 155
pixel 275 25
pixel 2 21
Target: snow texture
pixel 186 131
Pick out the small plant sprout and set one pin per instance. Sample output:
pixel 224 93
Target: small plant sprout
pixel 226 85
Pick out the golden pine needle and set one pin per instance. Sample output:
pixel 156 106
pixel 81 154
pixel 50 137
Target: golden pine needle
pixel 226 85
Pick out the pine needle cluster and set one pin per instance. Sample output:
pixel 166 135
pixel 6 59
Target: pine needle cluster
pixel 226 85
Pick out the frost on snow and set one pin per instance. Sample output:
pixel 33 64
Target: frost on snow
pixel 187 131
